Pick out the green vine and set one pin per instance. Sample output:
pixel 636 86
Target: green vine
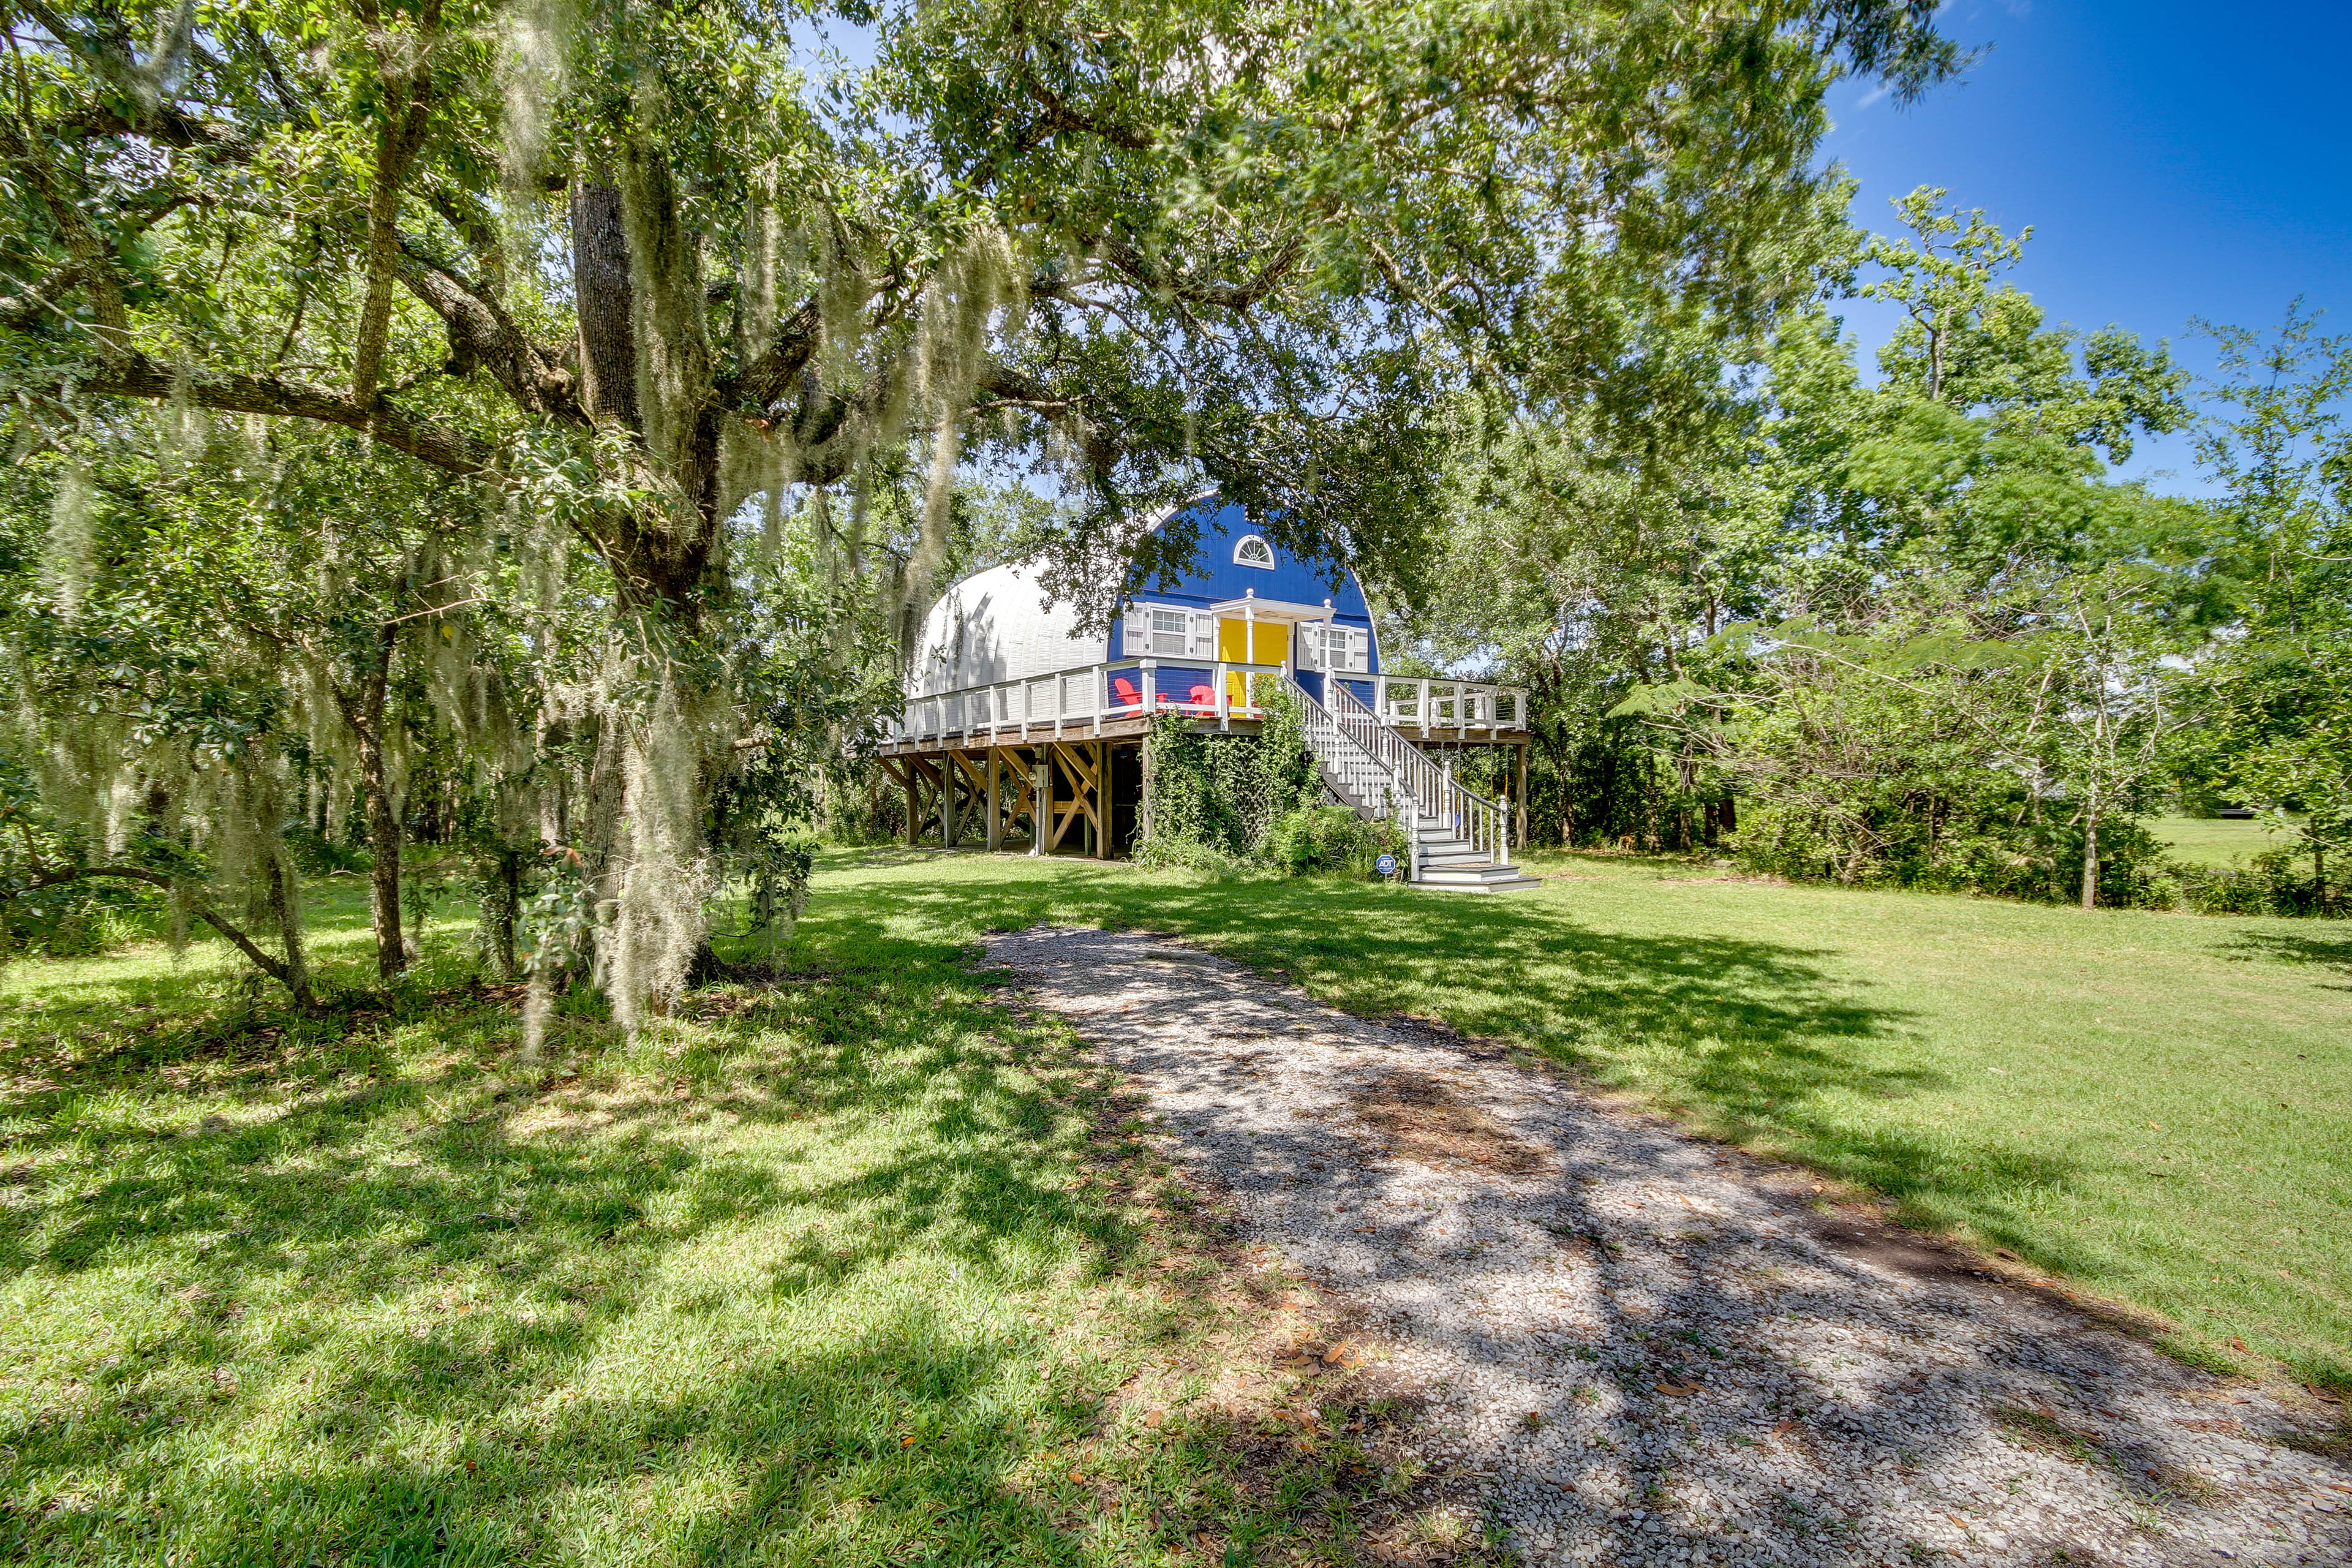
pixel 1224 804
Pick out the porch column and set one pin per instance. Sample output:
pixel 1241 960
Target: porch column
pixel 914 805
pixel 947 800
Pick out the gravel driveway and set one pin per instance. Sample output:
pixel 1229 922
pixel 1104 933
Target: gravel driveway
pixel 1650 1350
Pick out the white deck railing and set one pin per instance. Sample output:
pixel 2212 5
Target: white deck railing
pixel 1076 703
pixel 1411 703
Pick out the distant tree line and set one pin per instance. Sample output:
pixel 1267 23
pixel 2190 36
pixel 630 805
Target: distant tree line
pixel 1910 631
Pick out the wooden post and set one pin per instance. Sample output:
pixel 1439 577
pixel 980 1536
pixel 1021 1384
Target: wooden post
pixel 1143 790
pixel 1523 794
pixel 914 804
pixel 1041 798
pixel 947 800
pixel 1102 800
pixel 995 801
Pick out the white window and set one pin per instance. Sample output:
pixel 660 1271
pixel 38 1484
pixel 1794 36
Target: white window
pixel 1322 645
pixel 1252 551
pixel 1161 632
pixel 1169 631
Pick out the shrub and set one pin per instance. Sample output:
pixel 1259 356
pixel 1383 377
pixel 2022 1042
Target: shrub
pixel 2279 882
pixel 1330 838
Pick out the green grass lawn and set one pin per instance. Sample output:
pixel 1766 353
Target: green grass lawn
pixel 868 1269
pixel 2156 1107
pixel 846 1272
pixel 2215 841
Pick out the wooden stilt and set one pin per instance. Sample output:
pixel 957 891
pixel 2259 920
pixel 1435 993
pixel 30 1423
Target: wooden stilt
pixel 1523 794
pixel 995 801
pixel 1102 800
pixel 1041 800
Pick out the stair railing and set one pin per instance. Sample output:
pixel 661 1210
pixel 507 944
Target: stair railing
pixel 1358 774
pixel 1486 824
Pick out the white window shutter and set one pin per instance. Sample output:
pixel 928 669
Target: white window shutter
pixel 1135 633
pixel 1310 647
pixel 1359 650
pixel 1204 634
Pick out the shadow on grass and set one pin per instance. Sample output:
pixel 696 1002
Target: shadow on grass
pixel 399 1294
pixel 2332 953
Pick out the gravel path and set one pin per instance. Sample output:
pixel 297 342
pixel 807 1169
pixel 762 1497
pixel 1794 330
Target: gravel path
pixel 1651 1351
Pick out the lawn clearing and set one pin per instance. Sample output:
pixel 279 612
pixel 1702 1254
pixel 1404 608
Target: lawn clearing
pixel 2156 1107
pixel 843 1272
pixel 2219 841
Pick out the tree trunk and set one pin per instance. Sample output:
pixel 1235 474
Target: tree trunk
pixel 296 975
pixel 501 907
pixel 600 274
pixel 384 847
pixel 363 711
pixel 2090 860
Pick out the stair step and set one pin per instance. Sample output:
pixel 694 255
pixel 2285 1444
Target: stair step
pixel 1482 869
pixel 1522 885
pixel 1511 880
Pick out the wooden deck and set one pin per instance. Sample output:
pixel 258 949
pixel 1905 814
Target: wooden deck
pixel 1063 751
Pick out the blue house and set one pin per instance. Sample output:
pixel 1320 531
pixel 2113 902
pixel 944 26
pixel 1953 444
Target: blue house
pixel 1015 719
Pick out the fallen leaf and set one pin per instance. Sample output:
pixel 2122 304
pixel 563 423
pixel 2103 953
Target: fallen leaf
pixel 906 1442
pixel 1677 1389
pixel 1786 1424
pixel 2320 1394
pixel 2240 1346
pixel 1155 1417
pixel 1568 1486
pixel 1077 1478
pixel 1366 1229
pixel 1956 1519
pixel 1335 1352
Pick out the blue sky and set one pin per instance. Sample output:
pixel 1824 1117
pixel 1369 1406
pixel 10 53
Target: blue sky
pixel 2174 161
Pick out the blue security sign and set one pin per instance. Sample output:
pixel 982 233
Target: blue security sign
pixel 1385 865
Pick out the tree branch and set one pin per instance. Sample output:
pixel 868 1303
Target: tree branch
pixel 136 375
pixel 482 332
pixel 274 968
pixel 405 68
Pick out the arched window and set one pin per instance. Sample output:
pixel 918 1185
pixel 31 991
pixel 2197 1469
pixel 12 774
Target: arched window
pixel 1252 551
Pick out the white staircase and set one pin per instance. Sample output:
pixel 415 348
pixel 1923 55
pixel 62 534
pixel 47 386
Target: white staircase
pixel 1456 838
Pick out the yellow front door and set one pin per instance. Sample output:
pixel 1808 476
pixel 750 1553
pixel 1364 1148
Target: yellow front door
pixel 1243 642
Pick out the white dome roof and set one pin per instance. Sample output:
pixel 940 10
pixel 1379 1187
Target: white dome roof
pixel 996 625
